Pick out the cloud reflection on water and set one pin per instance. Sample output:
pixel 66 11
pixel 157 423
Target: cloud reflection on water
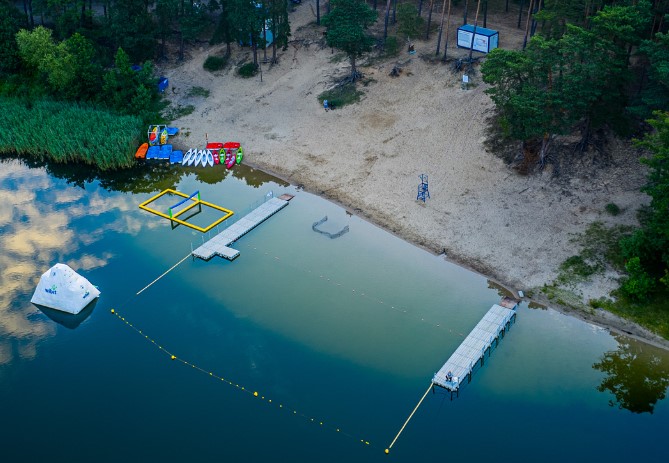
pixel 37 229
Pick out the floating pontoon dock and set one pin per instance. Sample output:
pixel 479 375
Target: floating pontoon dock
pixel 461 364
pixel 473 348
pixel 218 245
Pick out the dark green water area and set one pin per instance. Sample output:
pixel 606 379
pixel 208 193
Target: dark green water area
pixel 338 337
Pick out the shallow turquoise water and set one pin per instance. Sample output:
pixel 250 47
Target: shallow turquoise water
pixel 344 332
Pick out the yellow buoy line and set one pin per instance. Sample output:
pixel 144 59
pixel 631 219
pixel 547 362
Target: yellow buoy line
pixel 356 291
pixel 398 308
pixel 255 394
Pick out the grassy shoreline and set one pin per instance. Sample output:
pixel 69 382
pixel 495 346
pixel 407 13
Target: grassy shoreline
pixel 69 132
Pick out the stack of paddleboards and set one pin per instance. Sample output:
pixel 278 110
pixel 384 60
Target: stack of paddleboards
pixel 198 157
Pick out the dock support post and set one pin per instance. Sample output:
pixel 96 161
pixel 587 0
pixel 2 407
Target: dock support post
pixel 433 389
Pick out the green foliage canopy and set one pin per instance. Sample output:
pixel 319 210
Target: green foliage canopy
pixel 578 79
pixel 10 23
pixel 647 250
pixel 409 24
pixel 129 91
pixel 346 25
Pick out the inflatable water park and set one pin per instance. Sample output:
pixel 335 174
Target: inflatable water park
pixel 157 147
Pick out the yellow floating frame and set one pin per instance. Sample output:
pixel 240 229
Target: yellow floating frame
pixel 174 218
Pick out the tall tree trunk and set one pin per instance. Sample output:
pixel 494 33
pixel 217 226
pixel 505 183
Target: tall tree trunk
pixel 385 26
pixel 485 13
pixel 318 12
pixel 476 21
pixel 520 12
pixel 429 21
pixel 448 24
pixel 464 16
pixel 527 24
pixel 28 10
pixel 162 45
pixel 274 34
pixel 354 70
pixel 537 9
pixel 441 26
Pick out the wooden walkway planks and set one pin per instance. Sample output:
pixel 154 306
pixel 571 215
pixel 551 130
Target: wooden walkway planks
pixel 218 245
pixel 462 362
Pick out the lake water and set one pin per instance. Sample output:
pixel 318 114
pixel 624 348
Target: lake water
pixel 339 338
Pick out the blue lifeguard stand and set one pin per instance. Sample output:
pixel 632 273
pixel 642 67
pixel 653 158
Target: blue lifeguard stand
pixel 423 192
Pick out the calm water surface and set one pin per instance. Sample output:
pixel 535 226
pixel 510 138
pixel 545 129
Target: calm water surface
pixel 339 337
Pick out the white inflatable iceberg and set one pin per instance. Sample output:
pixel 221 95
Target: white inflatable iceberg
pixel 62 288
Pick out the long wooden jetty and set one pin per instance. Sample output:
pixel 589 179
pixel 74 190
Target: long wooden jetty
pixel 219 244
pixel 472 350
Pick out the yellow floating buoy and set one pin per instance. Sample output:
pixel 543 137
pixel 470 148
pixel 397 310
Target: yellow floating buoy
pixel 112 311
pixel 255 394
pixel 387 451
pixel 174 357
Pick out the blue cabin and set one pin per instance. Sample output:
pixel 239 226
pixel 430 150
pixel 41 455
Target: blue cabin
pixel 484 41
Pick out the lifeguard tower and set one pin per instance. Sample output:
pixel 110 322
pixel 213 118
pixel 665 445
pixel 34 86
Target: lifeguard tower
pixel 423 191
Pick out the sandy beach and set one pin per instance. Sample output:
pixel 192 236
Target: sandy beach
pixel 515 229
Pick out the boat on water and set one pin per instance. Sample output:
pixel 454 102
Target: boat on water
pixel 141 151
pixel 186 161
pixel 198 158
pixel 217 158
pixel 239 155
pixel 209 159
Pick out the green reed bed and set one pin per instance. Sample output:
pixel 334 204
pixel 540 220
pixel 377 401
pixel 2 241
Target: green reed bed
pixel 68 132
